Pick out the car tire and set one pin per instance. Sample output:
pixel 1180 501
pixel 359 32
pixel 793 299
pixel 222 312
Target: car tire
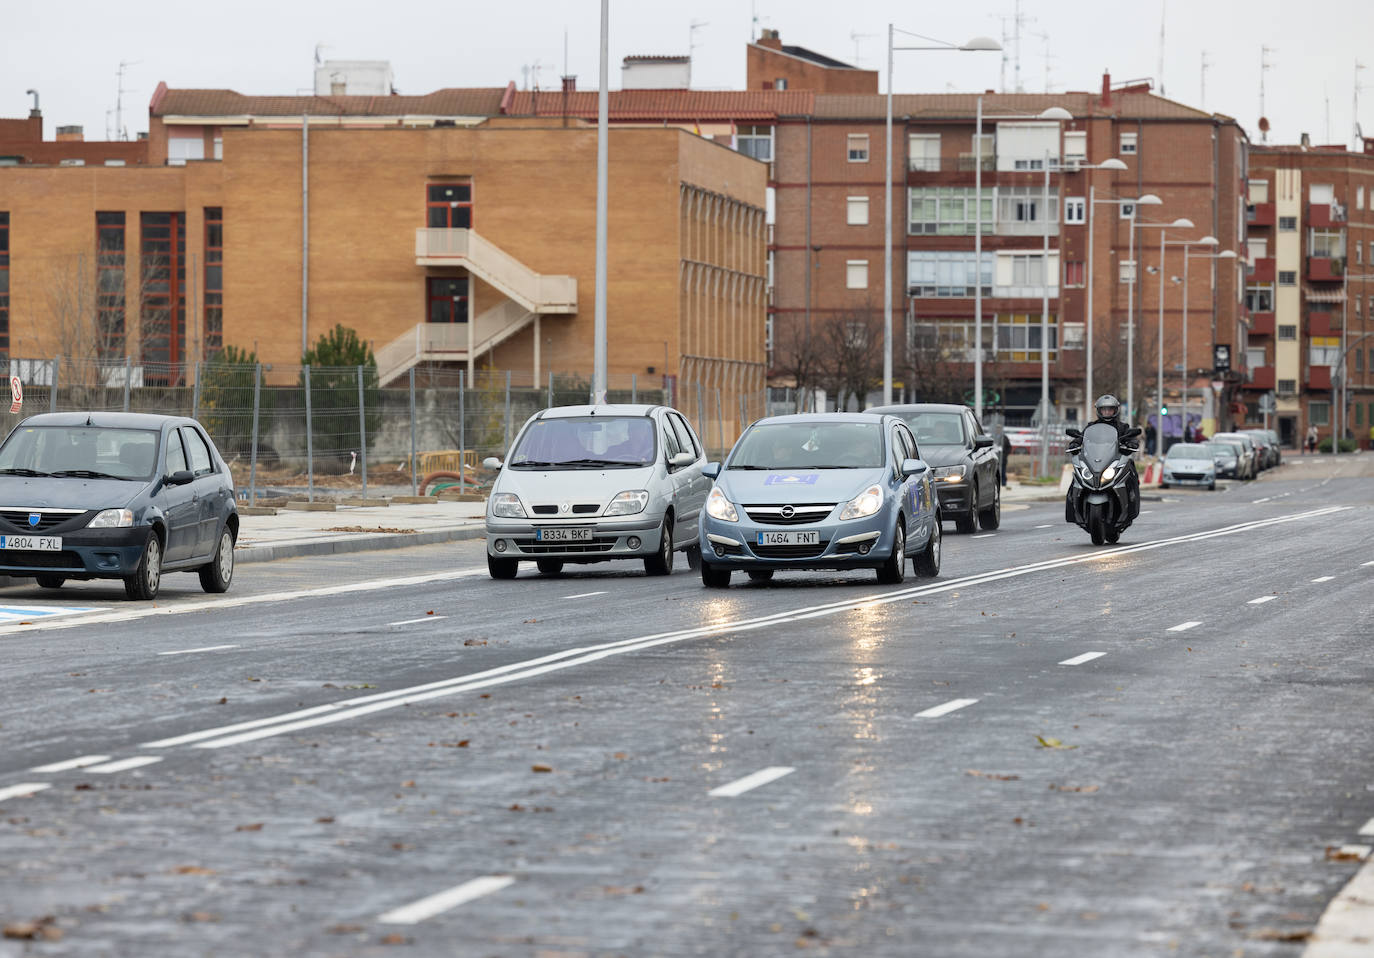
pixel 761 575
pixel 49 581
pixel 893 571
pixel 502 568
pixel 1163 485
pixel 661 562
pixel 218 573
pixel 714 576
pixel 969 523
pixel 991 517
pixel 147 578
pixel 928 562
pixel 549 566
pixel 694 557
pixel 1212 486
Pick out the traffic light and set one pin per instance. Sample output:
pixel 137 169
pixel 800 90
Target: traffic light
pixel 1164 410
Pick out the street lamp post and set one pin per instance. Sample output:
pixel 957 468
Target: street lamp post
pixel 974 45
pixel 1182 224
pixel 1149 199
pixel 1187 255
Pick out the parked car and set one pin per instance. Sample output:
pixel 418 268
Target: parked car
pixel 1189 464
pixel 1225 458
pixel 821 491
pixel 1252 453
pixel 1268 448
pixel 1242 468
pixel 591 483
pixel 963 458
pixel 99 495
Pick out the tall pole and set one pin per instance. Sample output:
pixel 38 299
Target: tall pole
pixel 1130 323
pixel 1088 381
pixel 1183 400
pixel 978 266
pixel 1045 327
pixel 887 234
pixel 599 315
pixel 1159 372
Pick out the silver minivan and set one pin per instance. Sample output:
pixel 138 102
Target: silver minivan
pixel 590 483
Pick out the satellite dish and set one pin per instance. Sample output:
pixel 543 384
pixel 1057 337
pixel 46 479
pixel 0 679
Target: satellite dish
pixel 1264 124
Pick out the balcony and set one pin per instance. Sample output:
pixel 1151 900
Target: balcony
pixel 1261 271
pixel 1319 377
pixel 1261 324
pixel 1259 214
pixel 1322 324
pixel 1325 269
pixel 1325 215
pixel 1261 377
pixel 967 162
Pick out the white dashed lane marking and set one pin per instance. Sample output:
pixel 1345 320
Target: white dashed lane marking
pixel 439 903
pixel 986 535
pixel 1046 526
pixel 124 764
pixel 1262 599
pixel 1367 828
pixel 1184 626
pixel 22 790
pixel 423 618
pixel 1085 657
pixel 1324 578
pixel 207 648
pixel 584 595
pixel 70 764
pixel 750 782
pixel 945 709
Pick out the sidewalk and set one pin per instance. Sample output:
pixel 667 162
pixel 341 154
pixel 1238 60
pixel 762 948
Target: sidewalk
pixel 293 531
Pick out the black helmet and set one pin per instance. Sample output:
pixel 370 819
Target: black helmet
pixel 1107 407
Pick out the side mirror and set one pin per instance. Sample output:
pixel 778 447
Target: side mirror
pixel 682 459
pixel 180 478
pixel 491 462
pixel 1073 433
pixel 983 442
pixel 711 470
pixel 913 467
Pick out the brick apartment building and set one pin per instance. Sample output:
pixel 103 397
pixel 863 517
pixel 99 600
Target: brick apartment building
pixel 1310 289
pixel 434 226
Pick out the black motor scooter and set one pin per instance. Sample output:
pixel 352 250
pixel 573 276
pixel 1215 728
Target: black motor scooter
pixel 1099 499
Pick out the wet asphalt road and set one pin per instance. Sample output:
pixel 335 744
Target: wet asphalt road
pixel 931 774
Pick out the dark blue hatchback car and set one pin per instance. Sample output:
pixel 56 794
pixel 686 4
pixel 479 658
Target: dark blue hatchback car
pixel 115 496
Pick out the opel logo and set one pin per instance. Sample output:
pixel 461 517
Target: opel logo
pixel 564 506
pixel 35 518
pixel 788 512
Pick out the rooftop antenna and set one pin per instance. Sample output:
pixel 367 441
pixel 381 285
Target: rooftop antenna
pixel 1326 98
pixel 1205 64
pixel 120 132
pixel 856 37
pixel 1019 21
pixel 1162 18
pixel 1006 50
pixel 1045 38
pixel 1355 106
pixel 1265 66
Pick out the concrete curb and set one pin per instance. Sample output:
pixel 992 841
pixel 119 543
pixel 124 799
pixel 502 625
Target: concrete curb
pixel 359 543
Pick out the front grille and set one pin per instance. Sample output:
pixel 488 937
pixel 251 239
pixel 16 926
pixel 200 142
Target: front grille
pixel 790 552
pixel 769 514
pixel 36 559
pixel 1186 476
pixel 598 544
pixel 580 508
pixel 19 518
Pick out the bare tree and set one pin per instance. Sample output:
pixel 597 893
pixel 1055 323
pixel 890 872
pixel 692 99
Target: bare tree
pixel 83 321
pixel 850 356
pixel 797 359
pixel 936 368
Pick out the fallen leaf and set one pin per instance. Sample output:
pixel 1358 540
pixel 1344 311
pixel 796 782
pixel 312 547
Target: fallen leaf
pixel 408 783
pixel 531 621
pixel 255 827
pixel 1074 788
pixel 1052 743
pixel 401 847
pixel 1336 853
pixel 346 929
pixel 620 755
pixel 361 685
pixel 474 641
pixel 223 701
pixel 396 939
pixel 541 767
pixel 485 695
pixel 192 870
pixel 251 679
pixel 993 775
pixel 83 787
pixel 325 820
pixel 202 916
pixel 1281 934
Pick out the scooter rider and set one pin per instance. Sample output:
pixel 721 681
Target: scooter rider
pixel 1109 412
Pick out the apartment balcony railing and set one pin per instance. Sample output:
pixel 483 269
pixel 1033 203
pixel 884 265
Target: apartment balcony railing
pixel 1325 269
pixel 1261 270
pixel 1321 324
pixel 1319 377
pixel 1261 324
pixel 967 162
pixel 1261 377
pixel 1323 215
pixel 1259 214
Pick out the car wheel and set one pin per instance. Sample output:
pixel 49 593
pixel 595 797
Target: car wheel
pixel 761 575
pixel 714 577
pixel 1163 485
pixel 549 566
pixel 143 584
pixel 49 581
pixel 969 523
pixel 1212 486
pixel 216 575
pixel 500 568
pixel 928 562
pixel 991 517
pixel 661 562
pixel 893 571
pixel 694 557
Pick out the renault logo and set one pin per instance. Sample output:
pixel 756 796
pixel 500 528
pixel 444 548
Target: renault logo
pixel 35 518
pixel 788 512
pixel 564 506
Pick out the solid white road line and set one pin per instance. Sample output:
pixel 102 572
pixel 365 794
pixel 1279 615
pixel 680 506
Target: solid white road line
pixel 1184 626
pixel 1085 657
pixel 208 648
pixel 952 706
pixel 1047 525
pixel 439 903
pixel 1367 828
pixel 286 723
pixel 584 595
pixel 124 764
pixel 741 785
pixel 1262 599
pixel 70 764
pixel 1324 578
pixel 22 790
pixel 1362 564
pixel 423 618
pixel 1265 499
pixel 986 535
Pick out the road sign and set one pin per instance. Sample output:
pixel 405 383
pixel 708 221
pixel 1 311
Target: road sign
pixel 1217 386
pixel 1221 358
pixel 16 394
pixel 1267 404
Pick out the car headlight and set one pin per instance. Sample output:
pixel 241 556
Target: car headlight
pixel 719 507
pixel 112 519
pixel 951 473
pixel 628 503
pixel 1108 473
pixel 506 505
pixel 865 503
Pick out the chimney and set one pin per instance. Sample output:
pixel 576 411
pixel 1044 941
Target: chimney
pixel 769 39
pixel 1306 142
pixel 338 87
pixel 570 84
pixel 1106 88
pixel 70 134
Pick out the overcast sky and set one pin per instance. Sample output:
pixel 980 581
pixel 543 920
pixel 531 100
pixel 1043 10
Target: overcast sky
pixel 70 51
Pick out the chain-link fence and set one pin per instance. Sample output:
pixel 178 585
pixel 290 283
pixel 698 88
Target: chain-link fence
pixel 307 431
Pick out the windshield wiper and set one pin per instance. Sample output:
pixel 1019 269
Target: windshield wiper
pixel 764 468
pixel 531 464
pixel 86 474
pixel 600 462
pixel 20 471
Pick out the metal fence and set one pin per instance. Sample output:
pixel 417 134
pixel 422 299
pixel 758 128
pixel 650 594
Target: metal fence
pixel 300 430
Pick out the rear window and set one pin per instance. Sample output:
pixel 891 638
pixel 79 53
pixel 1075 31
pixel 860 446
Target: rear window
pixel 80 451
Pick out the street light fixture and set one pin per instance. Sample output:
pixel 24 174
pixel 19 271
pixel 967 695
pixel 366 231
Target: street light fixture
pixel 977 44
pixel 1148 199
pixel 1111 163
pixel 1182 223
pixel 1187 255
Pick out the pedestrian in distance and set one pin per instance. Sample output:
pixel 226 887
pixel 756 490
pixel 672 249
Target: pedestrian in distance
pixel 1150 438
pixel 1006 454
pixel 1311 438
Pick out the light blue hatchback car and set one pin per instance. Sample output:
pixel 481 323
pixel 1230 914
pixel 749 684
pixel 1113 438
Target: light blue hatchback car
pixel 821 491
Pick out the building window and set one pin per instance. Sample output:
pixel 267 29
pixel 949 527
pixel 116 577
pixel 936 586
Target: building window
pixel 447 299
pixel 1318 413
pixel 1324 351
pixel 857 145
pixel 1257 191
pixel 1018 337
pixel 1074 273
pixel 109 285
pixel 1288 277
pixel 1254 357
pixel 1259 298
pixel 856 274
pixel 1125 271
pixel 1075 147
pixel 448 206
pixel 948 274
pixel 1286 387
pixel 780 83
pixel 1288 332
pixel 1075 210
pixel 949 211
pixel 1359 360
pixel 214 281
pixel 1021 211
pixel 1288 224
pixel 1026 274
pixel 924 150
pixel 1359 197
pixel 755 141
pixel 1129 143
pixel 185 146
pixel 4 284
pixel 163 314
pixel 856 211
pixel 1327 243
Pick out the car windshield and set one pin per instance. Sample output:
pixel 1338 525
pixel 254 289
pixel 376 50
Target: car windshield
pixel 586 442
pixel 1188 450
pixel 88 452
pixel 810 445
pixel 936 428
pixel 1222 449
